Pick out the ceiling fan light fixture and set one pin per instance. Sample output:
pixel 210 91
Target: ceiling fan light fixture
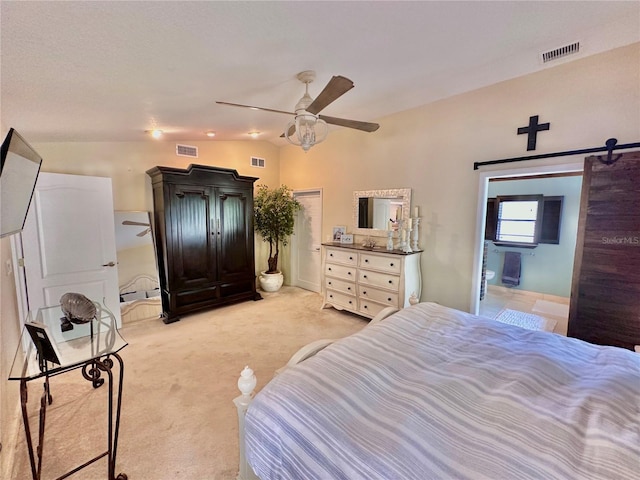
pixel 210 134
pixel 306 130
pixel 254 134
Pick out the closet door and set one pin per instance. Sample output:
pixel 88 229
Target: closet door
pixel 192 255
pixel 235 237
pixel 605 293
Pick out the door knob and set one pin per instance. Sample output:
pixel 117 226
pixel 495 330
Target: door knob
pixel 110 264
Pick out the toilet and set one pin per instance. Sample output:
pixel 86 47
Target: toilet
pixel 489 275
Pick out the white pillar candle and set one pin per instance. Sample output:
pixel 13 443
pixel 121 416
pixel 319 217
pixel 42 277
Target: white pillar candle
pixel 410 223
pixel 415 212
pixel 404 234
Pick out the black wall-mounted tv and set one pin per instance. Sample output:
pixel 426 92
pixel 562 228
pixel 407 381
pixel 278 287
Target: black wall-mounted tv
pixel 19 169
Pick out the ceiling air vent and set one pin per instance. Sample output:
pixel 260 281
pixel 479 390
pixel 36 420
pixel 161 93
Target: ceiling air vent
pixel 557 53
pixel 186 151
pixel 257 162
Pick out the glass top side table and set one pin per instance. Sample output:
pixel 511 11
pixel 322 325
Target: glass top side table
pixel 92 347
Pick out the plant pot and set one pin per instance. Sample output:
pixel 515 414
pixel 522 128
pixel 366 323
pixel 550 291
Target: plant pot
pixel 271 282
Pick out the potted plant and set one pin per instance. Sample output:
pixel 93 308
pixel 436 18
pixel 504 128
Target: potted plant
pixel 274 214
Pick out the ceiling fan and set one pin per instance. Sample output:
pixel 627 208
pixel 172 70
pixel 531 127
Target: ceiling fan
pixel 141 233
pixel 308 127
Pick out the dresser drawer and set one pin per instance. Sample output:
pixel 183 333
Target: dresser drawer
pixel 335 255
pixel 342 299
pixel 370 309
pixel 378 279
pixel 380 296
pixel 340 271
pixel 384 263
pixel 340 285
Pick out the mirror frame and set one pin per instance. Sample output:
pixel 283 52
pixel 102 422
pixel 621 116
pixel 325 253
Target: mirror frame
pixel 405 193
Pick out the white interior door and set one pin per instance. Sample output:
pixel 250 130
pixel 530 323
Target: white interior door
pixel 69 241
pixel 306 243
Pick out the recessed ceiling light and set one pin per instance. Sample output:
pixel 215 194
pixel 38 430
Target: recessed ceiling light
pixel 254 134
pixel 155 133
pixel 210 134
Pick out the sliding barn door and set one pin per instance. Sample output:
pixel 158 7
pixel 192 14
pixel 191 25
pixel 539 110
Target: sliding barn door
pixel 605 294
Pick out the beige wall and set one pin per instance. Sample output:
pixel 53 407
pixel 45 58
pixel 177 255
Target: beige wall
pixel 9 338
pixel 432 149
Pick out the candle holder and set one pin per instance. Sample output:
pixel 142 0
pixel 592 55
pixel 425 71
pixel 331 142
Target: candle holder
pixel 416 234
pixel 399 226
pixel 389 239
pixel 406 247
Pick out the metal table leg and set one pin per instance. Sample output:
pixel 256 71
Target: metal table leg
pixel 92 372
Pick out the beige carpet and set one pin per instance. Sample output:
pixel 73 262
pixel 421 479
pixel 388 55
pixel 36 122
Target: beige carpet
pixel 178 419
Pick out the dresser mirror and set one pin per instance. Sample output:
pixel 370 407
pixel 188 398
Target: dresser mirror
pixel 373 209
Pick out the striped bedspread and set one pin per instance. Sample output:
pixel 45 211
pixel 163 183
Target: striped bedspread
pixel 434 393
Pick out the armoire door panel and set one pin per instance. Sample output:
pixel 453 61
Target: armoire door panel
pixel 235 228
pixel 193 258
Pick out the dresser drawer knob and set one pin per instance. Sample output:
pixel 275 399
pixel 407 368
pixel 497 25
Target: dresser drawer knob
pixel 366 307
pixel 364 293
pixel 366 260
pixel 350 258
pixel 364 276
pixel 390 281
pixel 348 273
pixel 350 302
pixel 389 299
pixel 331 254
pixel 330 282
pixel 349 288
pixel 329 268
pixel 391 264
pixel 330 296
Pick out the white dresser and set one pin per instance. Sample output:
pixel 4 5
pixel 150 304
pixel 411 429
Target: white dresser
pixel 365 281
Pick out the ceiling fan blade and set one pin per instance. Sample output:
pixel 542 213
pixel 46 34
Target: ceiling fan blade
pixel 343 122
pixel 292 130
pixel 337 86
pixel 255 108
pixel 129 222
pixel 143 233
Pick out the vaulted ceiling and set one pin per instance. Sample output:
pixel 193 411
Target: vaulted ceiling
pixel 110 70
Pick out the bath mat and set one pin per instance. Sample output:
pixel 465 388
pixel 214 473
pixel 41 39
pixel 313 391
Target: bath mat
pixel 525 320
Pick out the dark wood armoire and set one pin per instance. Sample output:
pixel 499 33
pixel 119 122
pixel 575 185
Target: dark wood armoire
pixel 605 293
pixel 203 230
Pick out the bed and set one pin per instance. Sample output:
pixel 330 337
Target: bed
pixel 432 392
pixel 140 299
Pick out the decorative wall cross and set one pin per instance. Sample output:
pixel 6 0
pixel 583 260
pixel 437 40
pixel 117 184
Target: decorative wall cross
pixel 532 130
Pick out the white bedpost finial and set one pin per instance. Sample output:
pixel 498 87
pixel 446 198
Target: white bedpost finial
pixel 413 299
pixel 246 382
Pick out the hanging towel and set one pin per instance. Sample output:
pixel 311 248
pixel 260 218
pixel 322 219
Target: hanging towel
pixel 511 269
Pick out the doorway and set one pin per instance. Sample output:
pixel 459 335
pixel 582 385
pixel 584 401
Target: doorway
pixel 306 262
pixel 483 190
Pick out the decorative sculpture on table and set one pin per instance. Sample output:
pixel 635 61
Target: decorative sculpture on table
pixel 77 309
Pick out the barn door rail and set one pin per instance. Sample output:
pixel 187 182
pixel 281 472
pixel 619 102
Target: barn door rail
pixel 610 145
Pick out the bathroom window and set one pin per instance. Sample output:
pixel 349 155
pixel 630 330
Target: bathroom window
pixel 548 221
pixel 518 220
